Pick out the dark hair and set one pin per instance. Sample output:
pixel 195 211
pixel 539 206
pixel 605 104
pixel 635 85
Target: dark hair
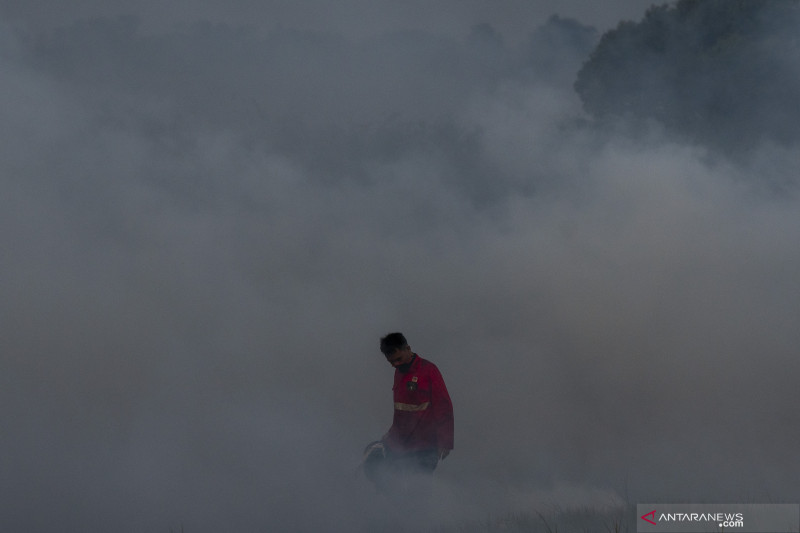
pixel 392 342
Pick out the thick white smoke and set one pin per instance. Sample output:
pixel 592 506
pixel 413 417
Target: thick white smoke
pixel 207 229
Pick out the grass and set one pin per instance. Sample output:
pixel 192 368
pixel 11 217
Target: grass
pixel 555 520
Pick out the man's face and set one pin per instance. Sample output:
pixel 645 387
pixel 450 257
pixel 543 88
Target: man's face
pixel 400 357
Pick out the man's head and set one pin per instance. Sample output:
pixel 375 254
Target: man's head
pixel 395 347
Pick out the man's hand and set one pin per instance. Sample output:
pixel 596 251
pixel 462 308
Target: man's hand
pixel 443 452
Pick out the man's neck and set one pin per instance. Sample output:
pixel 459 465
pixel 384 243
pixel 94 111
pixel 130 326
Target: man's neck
pixel 406 367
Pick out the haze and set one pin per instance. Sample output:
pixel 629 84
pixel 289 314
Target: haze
pixel 212 211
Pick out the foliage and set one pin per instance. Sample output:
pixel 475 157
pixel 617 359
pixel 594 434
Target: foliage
pixel 722 71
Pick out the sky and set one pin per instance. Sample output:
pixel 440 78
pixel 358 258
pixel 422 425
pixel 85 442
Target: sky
pixel 212 211
pixel 350 18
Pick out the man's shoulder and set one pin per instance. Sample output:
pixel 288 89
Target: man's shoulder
pixel 425 365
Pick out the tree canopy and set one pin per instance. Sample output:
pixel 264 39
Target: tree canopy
pixel 722 71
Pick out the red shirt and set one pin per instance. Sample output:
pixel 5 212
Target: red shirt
pixel 423 412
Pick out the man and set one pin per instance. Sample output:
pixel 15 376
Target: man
pixel 422 428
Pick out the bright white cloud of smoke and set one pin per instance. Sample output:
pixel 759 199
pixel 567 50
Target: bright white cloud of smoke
pixel 206 232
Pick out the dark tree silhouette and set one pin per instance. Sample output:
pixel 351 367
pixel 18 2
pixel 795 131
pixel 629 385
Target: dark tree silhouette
pixel 726 72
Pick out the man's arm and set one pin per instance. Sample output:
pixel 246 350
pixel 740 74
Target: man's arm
pixel 442 413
